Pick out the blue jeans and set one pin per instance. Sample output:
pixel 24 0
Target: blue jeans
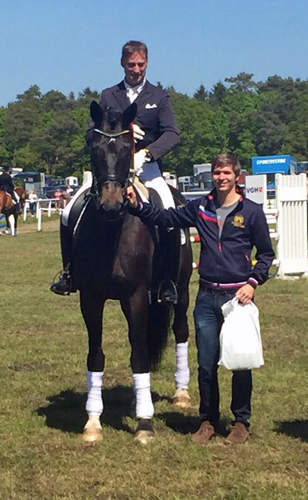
pixel 208 321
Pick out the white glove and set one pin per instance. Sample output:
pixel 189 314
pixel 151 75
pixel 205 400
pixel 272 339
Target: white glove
pixel 140 159
pixel 138 132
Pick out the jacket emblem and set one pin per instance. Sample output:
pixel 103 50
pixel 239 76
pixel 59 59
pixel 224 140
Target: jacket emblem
pixel 150 106
pixel 238 221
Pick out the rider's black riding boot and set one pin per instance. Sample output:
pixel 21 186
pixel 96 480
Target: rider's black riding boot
pixel 64 286
pixel 170 242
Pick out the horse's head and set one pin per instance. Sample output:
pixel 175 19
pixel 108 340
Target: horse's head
pixel 112 147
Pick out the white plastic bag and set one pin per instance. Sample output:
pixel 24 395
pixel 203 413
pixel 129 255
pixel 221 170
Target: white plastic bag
pixel 240 339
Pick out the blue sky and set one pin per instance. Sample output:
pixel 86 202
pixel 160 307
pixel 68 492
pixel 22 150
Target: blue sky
pixel 67 45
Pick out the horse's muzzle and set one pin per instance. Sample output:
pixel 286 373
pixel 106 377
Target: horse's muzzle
pixel 112 212
pixel 112 201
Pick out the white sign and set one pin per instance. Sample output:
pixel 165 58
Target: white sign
pixel 256 188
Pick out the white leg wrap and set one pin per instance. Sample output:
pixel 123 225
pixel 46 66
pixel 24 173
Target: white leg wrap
pixel 181 375
pixel 142 390
pixel 94 405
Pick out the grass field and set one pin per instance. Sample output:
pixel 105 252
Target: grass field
pixel 43 347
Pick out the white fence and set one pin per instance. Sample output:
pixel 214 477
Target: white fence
pixel 289 218
pixel 42 205
pixel 291 199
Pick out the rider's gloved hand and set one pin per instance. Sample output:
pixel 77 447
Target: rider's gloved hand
pixel 140 159
pixel 138 132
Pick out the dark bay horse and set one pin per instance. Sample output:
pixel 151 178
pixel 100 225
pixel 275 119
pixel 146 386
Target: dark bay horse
pixel 113 259
pixel 9 209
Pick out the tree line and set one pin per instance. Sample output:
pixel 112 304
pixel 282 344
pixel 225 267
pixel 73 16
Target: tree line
pixel 46 132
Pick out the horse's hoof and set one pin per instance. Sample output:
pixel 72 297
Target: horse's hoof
pixel 92 432
pixel 92 435
pixel 144 432
pixel 144 437
pixel 181 398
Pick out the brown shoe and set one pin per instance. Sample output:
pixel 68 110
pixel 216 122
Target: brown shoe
pixel 204 434
pixel 238 434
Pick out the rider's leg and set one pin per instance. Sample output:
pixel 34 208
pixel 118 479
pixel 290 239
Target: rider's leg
pixel 64 285
pixel 169 239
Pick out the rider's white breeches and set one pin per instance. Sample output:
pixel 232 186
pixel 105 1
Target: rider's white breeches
pixel 151 176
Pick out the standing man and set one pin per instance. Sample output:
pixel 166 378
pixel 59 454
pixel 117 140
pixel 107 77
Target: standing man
pixel 229 226
pixel 155 134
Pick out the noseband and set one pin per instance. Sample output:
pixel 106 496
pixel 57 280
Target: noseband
pixel 103 179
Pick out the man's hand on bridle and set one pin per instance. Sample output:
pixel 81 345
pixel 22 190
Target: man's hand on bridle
pixel 131 196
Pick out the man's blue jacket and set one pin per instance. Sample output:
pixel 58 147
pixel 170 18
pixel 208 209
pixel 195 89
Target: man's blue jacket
pixel 154 113
pixel 225 261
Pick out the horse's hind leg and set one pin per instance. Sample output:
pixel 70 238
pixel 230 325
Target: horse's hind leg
pixel 180 327
pixel 12 223
pixel 92 309
pixel 136 313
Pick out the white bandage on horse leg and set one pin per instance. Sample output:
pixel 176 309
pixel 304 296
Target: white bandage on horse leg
pixel 142 390
pixel 94 405
pixel 181 375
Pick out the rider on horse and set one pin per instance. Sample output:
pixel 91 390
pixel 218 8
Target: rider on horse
pixel 6 184
pixel 154 118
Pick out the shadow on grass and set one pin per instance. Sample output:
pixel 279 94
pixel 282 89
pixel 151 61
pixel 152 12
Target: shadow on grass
pixel 189 424
pixel 66 410
pixel 293 428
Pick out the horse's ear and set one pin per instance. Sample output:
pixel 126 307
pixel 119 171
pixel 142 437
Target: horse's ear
pixel 129 115
pixel 96 113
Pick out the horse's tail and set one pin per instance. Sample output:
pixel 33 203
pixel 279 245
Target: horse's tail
pixel 158 329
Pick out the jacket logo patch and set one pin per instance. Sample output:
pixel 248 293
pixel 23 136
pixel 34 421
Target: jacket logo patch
pixel 150 106
pixel 238 221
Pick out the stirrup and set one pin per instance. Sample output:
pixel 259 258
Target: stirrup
pixel 63 286
pixel 167 292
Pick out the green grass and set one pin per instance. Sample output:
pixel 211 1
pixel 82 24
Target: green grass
pixel 43 348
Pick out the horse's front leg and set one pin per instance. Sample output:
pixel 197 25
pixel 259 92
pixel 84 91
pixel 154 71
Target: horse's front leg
pixel 92 310
pixel 136 310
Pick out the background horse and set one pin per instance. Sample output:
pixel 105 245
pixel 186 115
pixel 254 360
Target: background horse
pixel 112 259
pixel 9 209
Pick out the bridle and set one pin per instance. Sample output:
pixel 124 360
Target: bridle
pixel 104 179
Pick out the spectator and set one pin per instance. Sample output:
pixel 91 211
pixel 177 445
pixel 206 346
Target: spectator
pixel 32 197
